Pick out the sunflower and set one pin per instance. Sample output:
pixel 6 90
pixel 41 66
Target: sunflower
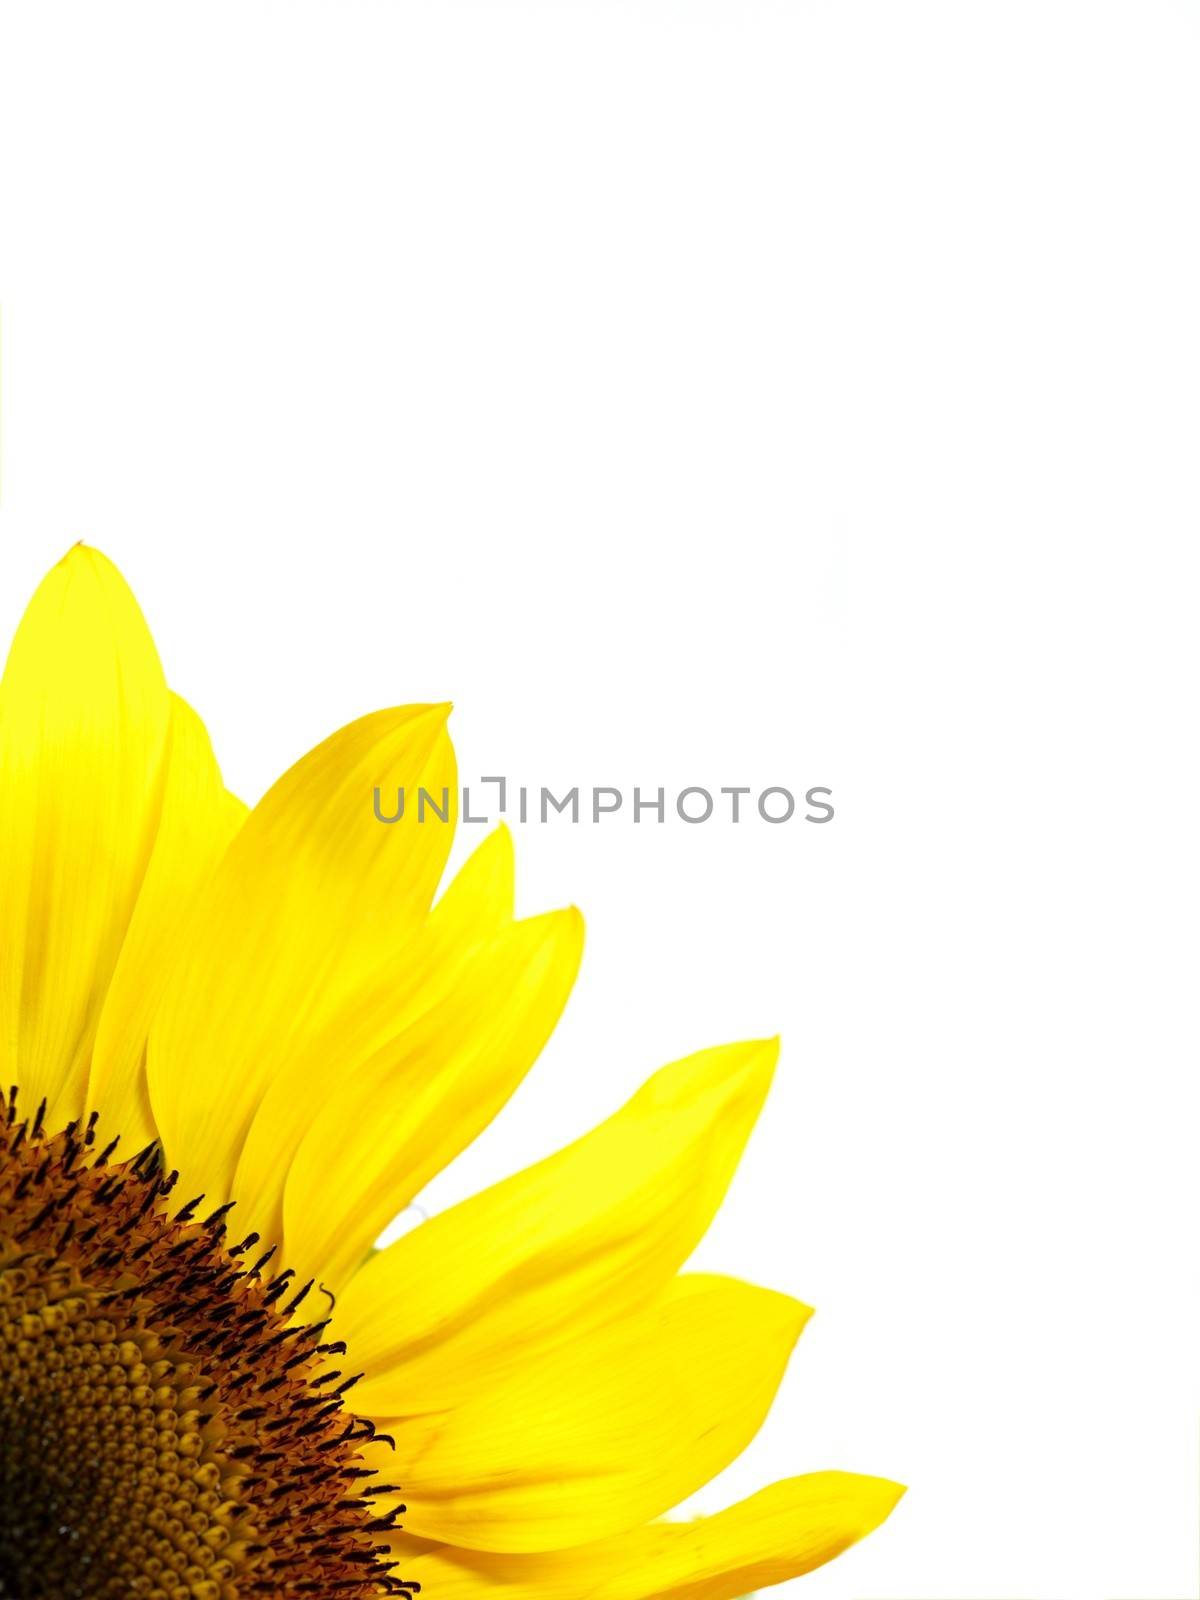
pixel 238 1043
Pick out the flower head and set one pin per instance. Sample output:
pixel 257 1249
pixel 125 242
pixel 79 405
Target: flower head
pixel 238 1043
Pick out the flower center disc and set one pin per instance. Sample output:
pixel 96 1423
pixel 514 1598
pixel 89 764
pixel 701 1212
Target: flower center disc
pixel 168 1428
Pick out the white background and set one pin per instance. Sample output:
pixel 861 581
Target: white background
pixel 719 393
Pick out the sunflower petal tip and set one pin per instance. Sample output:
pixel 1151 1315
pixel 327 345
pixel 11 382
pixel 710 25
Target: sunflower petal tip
pixel 878 1498
pixel 74 553
pixel 437 714
pixel 569 928
pixel 86 557
pixel 434 711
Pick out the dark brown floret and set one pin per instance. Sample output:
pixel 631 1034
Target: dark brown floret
pixel 169 1429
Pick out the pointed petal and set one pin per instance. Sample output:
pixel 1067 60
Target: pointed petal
pixel 607 1430
pixel 478 900
pixel 313 895
pixel 577 1240
pixel 781 1532
pixel 424 1096
pixel 83 729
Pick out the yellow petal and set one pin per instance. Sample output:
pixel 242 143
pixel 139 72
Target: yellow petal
pixel 83 730
pixel 314 894
pixel 426 965
pixel 606 1430
pixel 782 1532
pixel 199 818
pixel 575 1241
pixel 479 899
pixel 424 1096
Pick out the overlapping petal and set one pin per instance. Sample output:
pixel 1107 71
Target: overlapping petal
pixel 782 1532
pixel 198 819
pixel 429 959
pixel 575 1241
pixel 405 1113
pixel 314 895
pixel 606 1430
